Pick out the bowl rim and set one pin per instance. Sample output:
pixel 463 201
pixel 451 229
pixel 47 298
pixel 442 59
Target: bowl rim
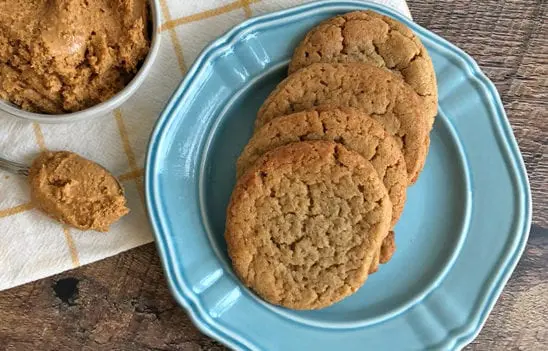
pixel 108 105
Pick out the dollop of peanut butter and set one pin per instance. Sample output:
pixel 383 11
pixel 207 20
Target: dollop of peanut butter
pixel 76 191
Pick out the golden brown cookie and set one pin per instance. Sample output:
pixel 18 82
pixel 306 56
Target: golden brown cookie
pixel 373 90
pixel 369 37
pixel 305 222
pixel 347 126
pixel 388 248
pixel 350 127
pixel 386 252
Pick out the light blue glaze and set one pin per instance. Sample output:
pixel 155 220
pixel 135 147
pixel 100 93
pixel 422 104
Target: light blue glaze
pixel 462 232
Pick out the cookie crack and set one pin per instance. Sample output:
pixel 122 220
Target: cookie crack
pixel 377 51
pixel 390 28
pixel 310 198
pixel 343 41
pixel 324 128
pixel 376 153
pixel 336 157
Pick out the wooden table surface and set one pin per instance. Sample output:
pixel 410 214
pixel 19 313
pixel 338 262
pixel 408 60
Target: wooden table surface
pixel 123 302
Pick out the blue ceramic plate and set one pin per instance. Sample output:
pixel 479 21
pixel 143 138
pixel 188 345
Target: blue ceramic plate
pixel 463 230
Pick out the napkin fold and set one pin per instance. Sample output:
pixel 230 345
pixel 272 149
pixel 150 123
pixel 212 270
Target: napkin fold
pixel 33 246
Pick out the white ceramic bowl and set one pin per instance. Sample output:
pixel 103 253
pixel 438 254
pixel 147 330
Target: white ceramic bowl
pixel 108 105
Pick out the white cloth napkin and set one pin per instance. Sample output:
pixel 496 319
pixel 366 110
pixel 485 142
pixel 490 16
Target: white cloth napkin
pixel 33 246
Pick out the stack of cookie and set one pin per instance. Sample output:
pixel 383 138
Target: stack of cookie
pixel 323 180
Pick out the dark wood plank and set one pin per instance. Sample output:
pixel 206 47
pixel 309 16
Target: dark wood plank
pixel 509 40
pixel 123 303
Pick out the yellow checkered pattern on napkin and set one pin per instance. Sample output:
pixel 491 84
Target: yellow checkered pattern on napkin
pixel 32 246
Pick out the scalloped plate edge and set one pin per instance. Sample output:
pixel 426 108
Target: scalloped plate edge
pixel 185 297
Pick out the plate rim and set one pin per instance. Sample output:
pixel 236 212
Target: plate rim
pixel 387 315
pixel 455 339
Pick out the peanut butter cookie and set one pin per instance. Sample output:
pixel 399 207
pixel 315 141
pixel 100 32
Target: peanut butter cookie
pixel 369 37
pixel 373 90
pixel 350 127
pixel 305 222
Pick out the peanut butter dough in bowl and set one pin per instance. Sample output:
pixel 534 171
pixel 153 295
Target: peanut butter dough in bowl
pixel 67 60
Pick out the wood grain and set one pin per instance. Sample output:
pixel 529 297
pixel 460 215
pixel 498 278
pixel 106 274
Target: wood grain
pixel 509 40
pixel 122 303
